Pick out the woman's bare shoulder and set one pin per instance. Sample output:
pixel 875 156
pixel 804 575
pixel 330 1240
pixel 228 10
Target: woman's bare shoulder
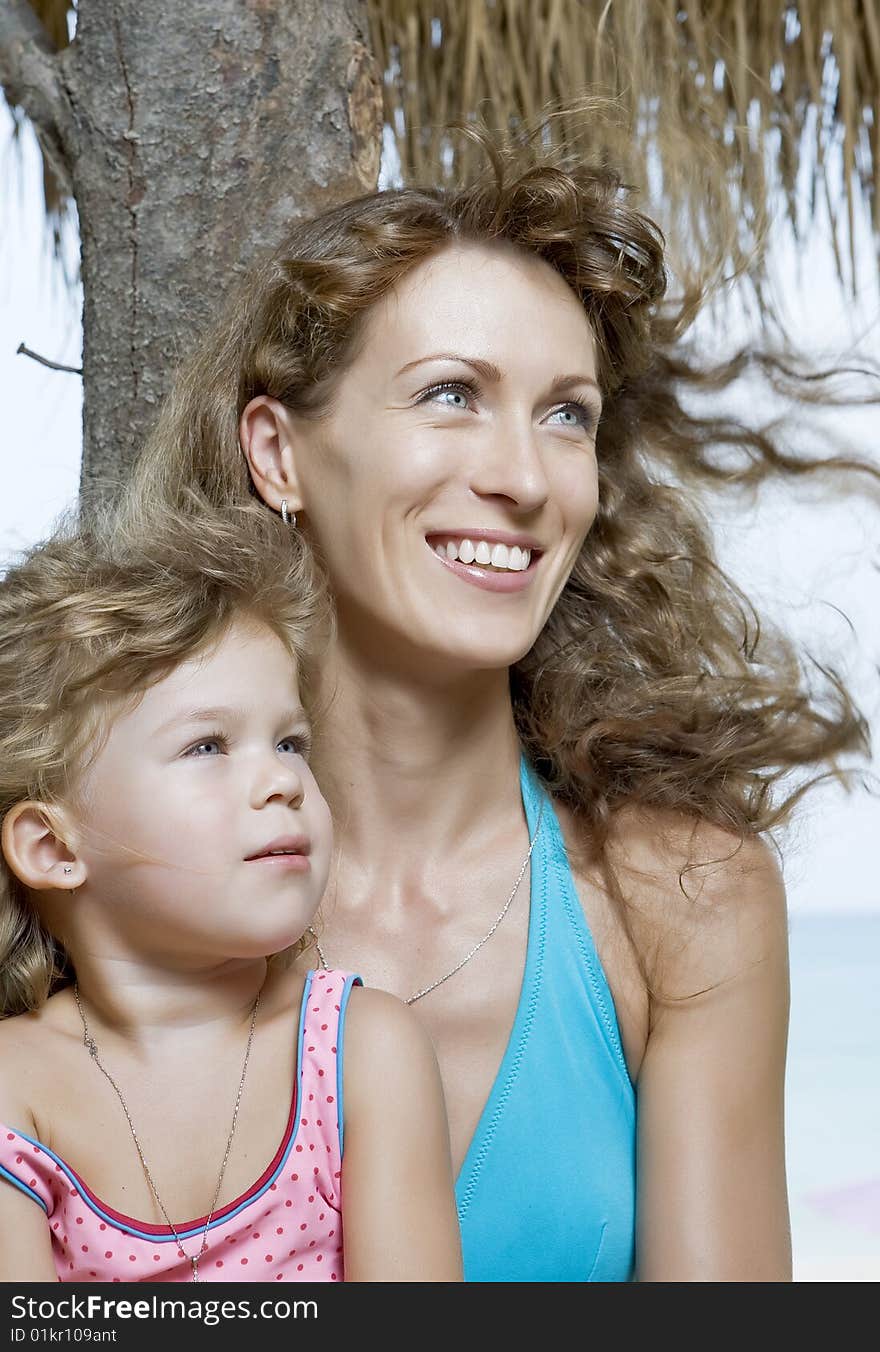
pixel 703 903
pixel 700 901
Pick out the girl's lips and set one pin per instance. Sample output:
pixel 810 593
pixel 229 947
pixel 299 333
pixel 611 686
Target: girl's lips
pixel 488 580
pixel 294 863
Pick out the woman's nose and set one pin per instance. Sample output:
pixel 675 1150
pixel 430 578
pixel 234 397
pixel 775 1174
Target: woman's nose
pixel 510 465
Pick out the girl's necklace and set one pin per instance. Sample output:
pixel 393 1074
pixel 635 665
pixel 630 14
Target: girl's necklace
pixel 92 1048
pixel 476 948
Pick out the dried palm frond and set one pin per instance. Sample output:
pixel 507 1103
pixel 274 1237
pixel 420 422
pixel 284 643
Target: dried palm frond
pixel 753 108
pixel 53 15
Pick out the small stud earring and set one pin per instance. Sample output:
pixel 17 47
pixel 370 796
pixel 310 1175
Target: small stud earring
pixel 68 870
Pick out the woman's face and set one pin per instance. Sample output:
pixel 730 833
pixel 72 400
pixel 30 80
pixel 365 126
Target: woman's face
pixel 466 423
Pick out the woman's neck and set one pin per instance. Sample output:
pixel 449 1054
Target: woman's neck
pixel 422 761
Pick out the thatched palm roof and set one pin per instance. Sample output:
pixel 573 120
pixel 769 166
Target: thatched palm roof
pixel 787 93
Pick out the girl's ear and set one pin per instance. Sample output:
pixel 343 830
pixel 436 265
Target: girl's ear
pixel 34 842
pixel 267 436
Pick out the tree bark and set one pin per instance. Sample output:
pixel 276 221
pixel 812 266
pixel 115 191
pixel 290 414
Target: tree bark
pixel 191 134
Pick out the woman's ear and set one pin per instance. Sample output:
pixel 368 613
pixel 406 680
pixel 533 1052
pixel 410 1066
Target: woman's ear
pixel 35 846
pixel 267 437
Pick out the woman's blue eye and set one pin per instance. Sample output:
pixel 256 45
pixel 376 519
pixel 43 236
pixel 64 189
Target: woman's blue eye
pixel 458 395
pixel 459 387
pixel 584 416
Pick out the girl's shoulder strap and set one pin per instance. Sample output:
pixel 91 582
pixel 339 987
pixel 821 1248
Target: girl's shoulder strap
pixel 325 999
pixel 322 1033
pixel 29 1166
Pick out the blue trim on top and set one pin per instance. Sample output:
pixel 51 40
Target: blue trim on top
pixel 23 1187
pixel 340 1035
pixel 300 1040
pixel 599 1248
pixel 98 1210
pixel 602 997
pixel 487 1126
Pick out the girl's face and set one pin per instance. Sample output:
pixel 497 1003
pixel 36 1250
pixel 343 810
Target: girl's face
pixel 453 482
pixel 192 797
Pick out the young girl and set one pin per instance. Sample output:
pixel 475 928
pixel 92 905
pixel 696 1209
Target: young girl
pixel 173 1091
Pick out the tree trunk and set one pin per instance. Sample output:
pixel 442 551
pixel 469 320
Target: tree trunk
pixel 190 134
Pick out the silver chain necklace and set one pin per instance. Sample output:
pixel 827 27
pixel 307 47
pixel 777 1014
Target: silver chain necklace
pixel 92 1048
pixel 476 948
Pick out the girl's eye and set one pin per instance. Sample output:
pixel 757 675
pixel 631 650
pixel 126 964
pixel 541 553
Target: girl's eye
pixel 463 388
pixel 209 746
pixel 298 745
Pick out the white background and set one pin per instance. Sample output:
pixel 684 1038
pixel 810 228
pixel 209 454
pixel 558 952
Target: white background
pixel 803 556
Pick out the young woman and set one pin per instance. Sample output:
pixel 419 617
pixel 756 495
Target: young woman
pixel 551 741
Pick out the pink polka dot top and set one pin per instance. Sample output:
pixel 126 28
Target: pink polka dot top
pixel 286 1227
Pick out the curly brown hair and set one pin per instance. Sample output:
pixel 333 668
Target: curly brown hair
pixel 652 682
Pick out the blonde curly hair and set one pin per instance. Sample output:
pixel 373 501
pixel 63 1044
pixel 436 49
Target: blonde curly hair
pixel 92 617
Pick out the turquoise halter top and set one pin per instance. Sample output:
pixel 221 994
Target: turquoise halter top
pixel 546 1192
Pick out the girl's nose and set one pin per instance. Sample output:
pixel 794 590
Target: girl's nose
pixel 278 778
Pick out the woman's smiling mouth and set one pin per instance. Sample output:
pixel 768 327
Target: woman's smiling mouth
pixel 495 560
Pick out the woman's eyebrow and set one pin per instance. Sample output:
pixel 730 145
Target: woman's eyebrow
pixel 566 382
pixel 489 371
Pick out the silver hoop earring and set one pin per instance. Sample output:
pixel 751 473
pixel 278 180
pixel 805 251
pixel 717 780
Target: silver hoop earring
pixel 286 517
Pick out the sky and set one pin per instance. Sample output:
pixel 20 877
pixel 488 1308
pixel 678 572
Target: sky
pixel 809 563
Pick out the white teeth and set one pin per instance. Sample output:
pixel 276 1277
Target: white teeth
pixel 511 559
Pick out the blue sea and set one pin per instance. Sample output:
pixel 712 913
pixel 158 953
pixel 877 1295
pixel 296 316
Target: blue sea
pixel 833 1097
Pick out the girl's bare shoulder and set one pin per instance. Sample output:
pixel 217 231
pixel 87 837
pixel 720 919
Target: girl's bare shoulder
pixel 385 1044
pixel 34 1048
pixel 382 1023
